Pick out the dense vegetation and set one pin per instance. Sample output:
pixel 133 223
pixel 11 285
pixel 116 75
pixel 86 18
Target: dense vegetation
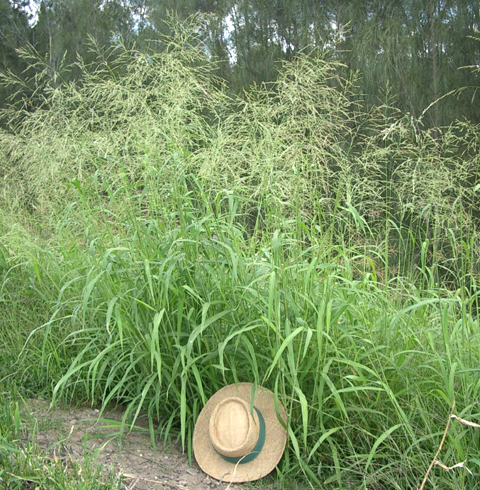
pixel 161 237
pixel 413 48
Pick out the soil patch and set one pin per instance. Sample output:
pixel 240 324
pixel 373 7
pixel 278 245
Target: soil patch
pixel 81 432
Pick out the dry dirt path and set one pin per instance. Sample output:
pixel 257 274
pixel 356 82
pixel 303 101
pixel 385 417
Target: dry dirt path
pixel 76 432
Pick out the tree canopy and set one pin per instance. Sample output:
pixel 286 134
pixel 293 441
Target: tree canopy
pixel 408 51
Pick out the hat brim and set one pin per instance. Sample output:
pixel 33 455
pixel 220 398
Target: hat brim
pixel 213 464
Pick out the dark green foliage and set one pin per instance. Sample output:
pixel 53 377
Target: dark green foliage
pixel 14 33
pixel 413 51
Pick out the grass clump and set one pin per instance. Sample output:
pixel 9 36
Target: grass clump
pixel 161 239
pixel 23 465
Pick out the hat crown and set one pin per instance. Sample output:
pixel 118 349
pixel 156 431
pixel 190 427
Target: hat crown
pixel 234 430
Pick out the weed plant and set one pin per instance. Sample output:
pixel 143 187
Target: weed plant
pixel 160 239
pixel 24 465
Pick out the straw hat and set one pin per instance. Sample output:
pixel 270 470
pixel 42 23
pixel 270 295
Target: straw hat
pixel 232 444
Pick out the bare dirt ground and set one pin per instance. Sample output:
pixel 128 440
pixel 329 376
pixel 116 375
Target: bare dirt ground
pixel 78 432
